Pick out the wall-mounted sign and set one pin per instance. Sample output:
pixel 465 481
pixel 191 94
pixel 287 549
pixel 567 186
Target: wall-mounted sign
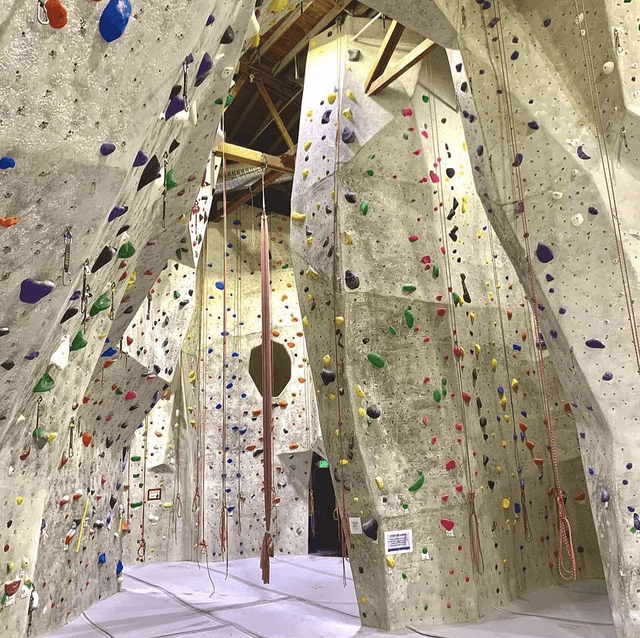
pixel 398 542
pixel 154 494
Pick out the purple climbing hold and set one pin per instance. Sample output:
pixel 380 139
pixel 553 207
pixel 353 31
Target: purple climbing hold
pixel 549 277
pixel 32 290
pixel 459 67
pixel 607 376
pixel 75 296
pixel 493 22
pixel 593 210
pixel 547 22
pixel 480 150
pixel 348 135
pixel 582 155
pixel 518 160
pixel 116 212
pixel 594 343
pixel 326 116
pixel 533 125
pixel 34 354
pixel 604 495
pixel 176 104
pixel 544 253
pixel 210 20
pixel 553 333
pixel 515 55
pixel 140 160
pixel 463 87
pixel 204 69
pixel 107 148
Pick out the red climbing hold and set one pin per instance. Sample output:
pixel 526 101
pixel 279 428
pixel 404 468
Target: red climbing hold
pixel 129 341
pixel 466 396
pixel 56 13
pixel 447 524
pixel 413 238
pixel 130 396
pixel 441 312
pixel 451 464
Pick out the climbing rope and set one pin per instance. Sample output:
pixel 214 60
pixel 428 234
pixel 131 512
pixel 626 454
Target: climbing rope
pixel 142 543
pixel 565 540
pixel 344 529
pixel 474 534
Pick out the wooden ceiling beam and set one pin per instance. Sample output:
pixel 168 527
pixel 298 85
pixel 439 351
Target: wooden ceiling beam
pixel 388 46
pixel 411 59
pixel 253 158
pixel 320 26
pixel 275 115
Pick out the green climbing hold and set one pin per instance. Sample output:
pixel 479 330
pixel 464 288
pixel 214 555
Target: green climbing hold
pixel 218 101
pixel 169 180
pixel 425 98
pixel 136 504
pixel 370 172
pixel 372 156
pixel 376 360
pixel 100 304
pixel 323 463
pixel 392 330
pixel 39 433
pixel 409 319
pixel 436 271
pixel 437 396
pixel 78 342
pixel 444 382
pixel 406 136
pixel 126 250
pixel 364 207
pixel 456 298
pixel 444 390
pixel 405 506
pixel 285 266
pixel 119 391
pixel 136 458
pixel 418 483
pixel 228 100
pixel 404 576
pixel 176 294
pixel 45 383
pixel 425 550
pixel 408 287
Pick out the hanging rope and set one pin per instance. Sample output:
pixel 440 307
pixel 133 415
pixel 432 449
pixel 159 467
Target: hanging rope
pixel 474 534
pixel 142 543
pixel 267 389
pixel 565 540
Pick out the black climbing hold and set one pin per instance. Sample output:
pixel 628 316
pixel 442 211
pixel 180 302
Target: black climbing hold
pixel 105 256
pixel 373 412
pixel 174 145
pixel 479 403
pixel 354 55
pixel 70 312
pixel 328 376
pixel 450 172
pixel 150 173
pixel 326 116
pixel 4 332
pixel 350 197
pixel 7 365
pixel 483 422
pixel 370 528
pixel 122 229
pixel 491 484
pixel 228 36
pixel 348 135
pixel 351 280
pixel 176 89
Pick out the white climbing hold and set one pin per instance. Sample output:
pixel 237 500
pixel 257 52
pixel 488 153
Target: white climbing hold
pixel 608 67
pixel 60 357
pixel 577 219
pixel 556 195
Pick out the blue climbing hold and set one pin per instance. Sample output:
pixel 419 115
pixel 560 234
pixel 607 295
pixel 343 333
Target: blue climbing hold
pixel 119 568
pixel 109 352
pixel 219 285
pixel 594 343
pixel 107 148
pixel 607 376
pixel 7 162
pixel 114 19
pixel 102 558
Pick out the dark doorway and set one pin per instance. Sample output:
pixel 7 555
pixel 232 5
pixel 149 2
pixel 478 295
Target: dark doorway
pixel 324 536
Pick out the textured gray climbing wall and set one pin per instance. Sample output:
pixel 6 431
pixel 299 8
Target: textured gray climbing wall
pixel 108 116
pixel 549 95
pixel 422 349
pixel 239 495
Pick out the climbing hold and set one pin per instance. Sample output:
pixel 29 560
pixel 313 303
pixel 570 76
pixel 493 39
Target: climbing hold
pixel 418 483
pixel 351 280
pixel 544 253
pixel 105 256
pixel 117 211
pixel 100 304
pixel 582 154
pixel 348 135
pixel 354 55
pixel 379 482
pixel 447 524
pixel 56 13
pixel 114 19
pixel 33 290
pixel 107 148
pixel 206 64
pixel 375 359
pixel 298 217
pixel 86 438
pixel 228 36
pixel 390 561
pixel 370 528
pixel 364 207
pixel 126 250
pixel 328 376
pixel 44 384
pixel 78 342
pixel 7 222
pixel 594 343
pixel 373 412
pixel 437 396
pixel 408 287
pixel 150 173
pixel 169 180
pixel 7 162
pixel 140 160
pixel 409 318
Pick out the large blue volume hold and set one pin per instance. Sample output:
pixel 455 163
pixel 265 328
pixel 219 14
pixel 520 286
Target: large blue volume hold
pixel 114 19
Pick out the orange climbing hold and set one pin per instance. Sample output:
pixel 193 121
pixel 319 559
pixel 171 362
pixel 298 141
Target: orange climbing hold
pixel 86 438
pixel 56 13
pixel 6 222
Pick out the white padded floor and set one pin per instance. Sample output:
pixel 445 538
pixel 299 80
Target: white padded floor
pixel 306 599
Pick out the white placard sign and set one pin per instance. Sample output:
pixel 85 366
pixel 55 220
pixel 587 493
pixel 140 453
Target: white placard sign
pixel 355 525
pixel 398 542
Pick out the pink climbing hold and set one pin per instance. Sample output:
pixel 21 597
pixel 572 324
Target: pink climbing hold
pixel 424 180
pixel 426 259
pixel 424 134
pixel 413 238
pixel 441 312
pixel 433 440
pixel 407 112
pixel 466 396
pixel 442 251
pixel 457 350
pixel 447 524
pixel 130 396
pixel 434 178
pixel 451 464
pixel 459 488
pixel 425 420
pixel 417 151
pixel 459 427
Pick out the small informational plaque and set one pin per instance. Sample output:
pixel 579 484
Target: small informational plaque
pixel 154 494
pixel 398 542
pixel 355 525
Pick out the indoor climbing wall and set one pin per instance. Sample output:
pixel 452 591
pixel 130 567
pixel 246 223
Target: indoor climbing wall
pixel 423 353
pixel 101 164
pixel 231 448
pixel 549 96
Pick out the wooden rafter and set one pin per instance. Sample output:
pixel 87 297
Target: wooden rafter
pixel 285 24
pixel 254 158
pixel 275 115
pixel 388 46
pixel 411 59
pixel 269 119
pixel 321 26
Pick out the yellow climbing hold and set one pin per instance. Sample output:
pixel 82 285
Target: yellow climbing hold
pixel 331 98
pixel 362 412
pixel 503 402
pixel 305 321
pixel 480 233
pixel 494 364
pixel 348 113
pixel 326 359
pixel 51 437
pixel 19 500
pixel 498 469
pixel 465 203
pixel 350 94
pixel 336 432
pixel 344 461
pixel 309 240
pixel 312 272
pixel 307 145
pixel 278 5
pixel 348 239
pixel 472 316
pixel 391 561
pixel 477 348
pixel 506 503
pixel 363 599
pixel 332 396
pixel 132 280
pixel 305 173
pixel 298 217
pixel 379 482
pixel 360 392
pixel 514 384
pixel 309 112
pixel 167 504
pixel 339 321
pixel 504 443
